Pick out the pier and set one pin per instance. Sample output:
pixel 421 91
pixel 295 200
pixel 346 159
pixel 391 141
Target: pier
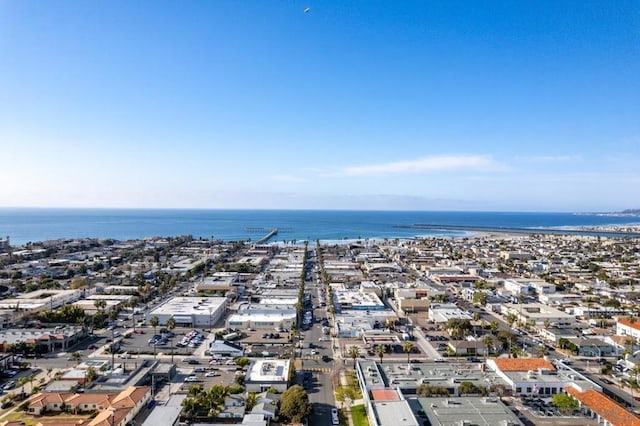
pixel 267 237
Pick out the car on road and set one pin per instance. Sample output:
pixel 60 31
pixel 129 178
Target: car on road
pixel 335 419
pixel 212 374
pixel 92 346
pixel 10 385
pixel 191 379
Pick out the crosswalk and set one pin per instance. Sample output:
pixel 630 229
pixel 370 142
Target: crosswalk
pixel 318 369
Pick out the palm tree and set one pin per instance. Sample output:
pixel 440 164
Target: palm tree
pixel 250 401
pixel 77 356
pixel 380 351
pixel 354 352
pixel 494 326
pixel 476 318
pixel 154 321
pixel 21 382
pixel 488 345
pixel 100 305
pixel 541 351
pixel 407 347
pixel 171 324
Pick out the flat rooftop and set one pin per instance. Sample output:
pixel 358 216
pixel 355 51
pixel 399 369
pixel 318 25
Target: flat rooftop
pixel 189 306
pixel 395 413
pixel 479 411
pixel 396 374
pixel 269 370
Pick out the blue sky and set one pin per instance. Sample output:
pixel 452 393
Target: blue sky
pixel 522 105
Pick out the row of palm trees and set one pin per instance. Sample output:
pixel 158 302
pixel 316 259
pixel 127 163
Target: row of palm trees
pixel 380 351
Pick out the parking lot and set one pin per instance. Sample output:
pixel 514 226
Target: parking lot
pixel 140 342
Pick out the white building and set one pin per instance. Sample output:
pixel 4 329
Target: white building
pixel 190 311
pixel 624 327
pixel 263 374
pixel 442 313
pixel 262 319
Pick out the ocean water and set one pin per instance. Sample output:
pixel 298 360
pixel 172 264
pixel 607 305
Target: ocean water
pixel 23 225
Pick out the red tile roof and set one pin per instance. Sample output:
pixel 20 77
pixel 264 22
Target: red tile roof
pixel 605 407
pixel 522 364
pixel 633 324
pixel 384 395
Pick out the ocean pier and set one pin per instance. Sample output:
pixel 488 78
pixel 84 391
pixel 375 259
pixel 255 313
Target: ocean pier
pixel 267 237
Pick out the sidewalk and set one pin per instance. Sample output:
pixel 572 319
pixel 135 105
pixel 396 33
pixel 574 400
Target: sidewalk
pixel 346 409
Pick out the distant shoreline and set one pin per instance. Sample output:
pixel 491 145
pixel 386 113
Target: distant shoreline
pixel 605 230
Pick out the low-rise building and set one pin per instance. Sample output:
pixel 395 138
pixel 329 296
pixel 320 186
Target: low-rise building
pixel 263 374
pixel 190 311
pixel 443 312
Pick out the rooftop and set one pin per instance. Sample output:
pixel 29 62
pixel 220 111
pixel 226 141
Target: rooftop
pixel 477 411
pixel 189 306
pixel 268 370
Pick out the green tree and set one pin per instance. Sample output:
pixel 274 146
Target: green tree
pixel 407 347
pixel 77 356
pixel 354 352
pixel 480 298
pixel 171 325
pixel 459 328
pixel 242 361
pixel 380 351
pixel 100 305
pixel 250 401
pixel 469 388
pixel 431 390
pixel 91 374
pixel 154 321
pixel 495 326
pixel 564 403
pixel 294 404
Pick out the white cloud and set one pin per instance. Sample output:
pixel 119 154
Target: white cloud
pixel 550 158
pixel 429 164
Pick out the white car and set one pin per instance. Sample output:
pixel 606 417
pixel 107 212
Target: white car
pixel 192 379
pixel 212 374
pixel 335 419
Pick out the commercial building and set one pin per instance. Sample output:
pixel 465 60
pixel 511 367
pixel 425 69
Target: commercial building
pixel 267 373
pixel 442 313
pixel 478 411
pixel 536 314
pixel 537 376
pixel 356 300
pixel 41 300
pixel 190 311
pixel 44 340
pixel 262 320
